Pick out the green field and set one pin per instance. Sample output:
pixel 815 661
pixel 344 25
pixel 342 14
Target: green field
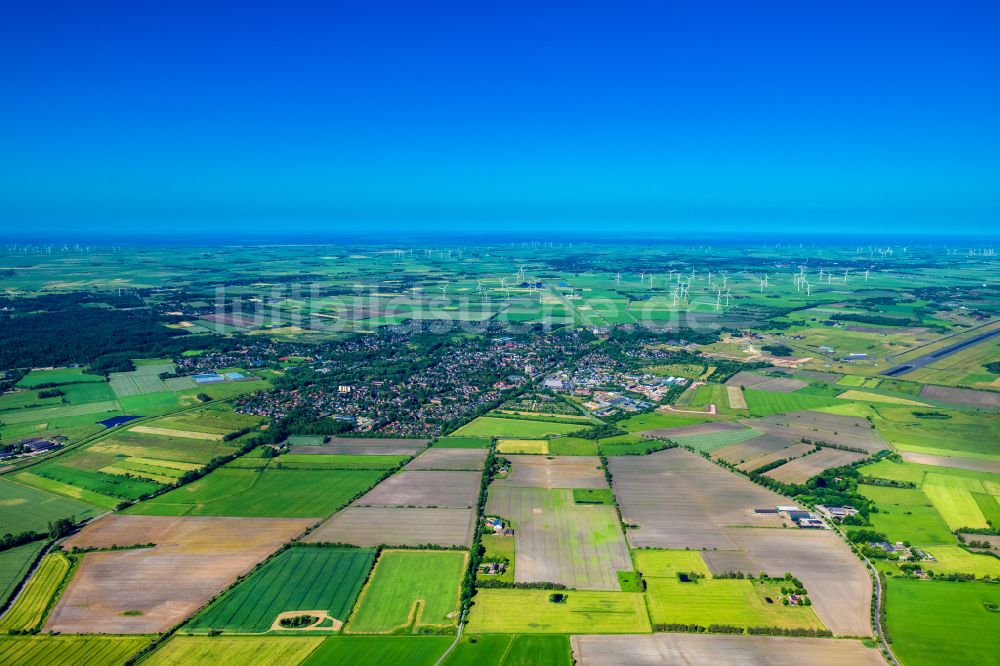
pixel 112 485
pixel 28 610
pixel 278 493
pixel 15 563
pixel 953 497
pixel 463 443
pixel 410 591
pixel 531 612
pixel 490 426
pixel 89 650
pixel 906 514
pixel 500 546
pixel 716 440
pixel 572 446
pixel 961 434
pixel 941 622
pixel 766 403
pixel 57 376
pixel 233 650
pixel 506 650
pixel 24 509
pixel 656 420
pixel 713 601
pixel 593 496
pixel 955 559
pixel 395 650
pixel 298 578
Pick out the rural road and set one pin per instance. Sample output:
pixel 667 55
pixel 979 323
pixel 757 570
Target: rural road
pixel 451 647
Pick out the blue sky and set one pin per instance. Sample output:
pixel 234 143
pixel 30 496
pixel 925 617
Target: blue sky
pixel 539 116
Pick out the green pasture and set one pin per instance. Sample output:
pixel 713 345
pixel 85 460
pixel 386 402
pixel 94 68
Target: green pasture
pixel 942 622
pixel 23 508
pixel 511 650
pixel 273 492
pixel 531 612
pixel 57 376
pixel 906 514
pixel 410 591
pixel 396 650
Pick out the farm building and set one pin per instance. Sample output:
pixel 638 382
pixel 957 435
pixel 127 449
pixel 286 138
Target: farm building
pixel 208 378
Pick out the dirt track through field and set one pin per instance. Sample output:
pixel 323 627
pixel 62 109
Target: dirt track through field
pixel 659 649
pixel 148 590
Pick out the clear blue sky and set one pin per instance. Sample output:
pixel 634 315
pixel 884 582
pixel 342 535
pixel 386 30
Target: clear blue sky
pixel 335 116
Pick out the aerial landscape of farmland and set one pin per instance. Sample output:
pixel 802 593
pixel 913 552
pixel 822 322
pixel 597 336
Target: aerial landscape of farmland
pixel 717 479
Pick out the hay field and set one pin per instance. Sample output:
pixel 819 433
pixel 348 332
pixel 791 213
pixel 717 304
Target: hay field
pixel 397 526
pixel 836 580
pixel 530 611
pixel 297 579
pixel 173 432
pixel 866 396
pixel 28 610
pixel 554 472
pixel 659 649
pixel 409 590
pixel 452 490
pixel 681 500
pixel 736 399
pixel 49 650
pixel 559 541
pixel 802 469
pixel 233 650
pixel 523 446
pixel 23 508
pixel 439 458
pixel 194 558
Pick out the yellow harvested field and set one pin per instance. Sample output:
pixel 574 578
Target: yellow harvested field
pixel 736 399
pixel 148 590
pixel 523 446
pixel 171 432
pixel 876 397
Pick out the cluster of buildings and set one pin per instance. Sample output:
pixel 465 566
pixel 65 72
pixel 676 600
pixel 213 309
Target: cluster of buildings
pixel 382 384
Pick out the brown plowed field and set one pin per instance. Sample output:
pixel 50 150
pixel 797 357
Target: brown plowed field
pixel 659 649
pixel 793 451
pixel 681 500
pixel 453 490
pixel 554 472
pixel 802 469
pixel 835 578
pixel 194 558
pixel 819 427
pixel 449 459
pixel 959 396
pixel 397 526
pixel 749 449
pixel 695 429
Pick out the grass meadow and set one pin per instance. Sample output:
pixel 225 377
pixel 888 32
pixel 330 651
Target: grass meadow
pixel 23 508
pixel 491 426
pixel 233 650
pixel 511 650
pixel 530 611
pixel 410 591
pixel 942 622
pixel 397 650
